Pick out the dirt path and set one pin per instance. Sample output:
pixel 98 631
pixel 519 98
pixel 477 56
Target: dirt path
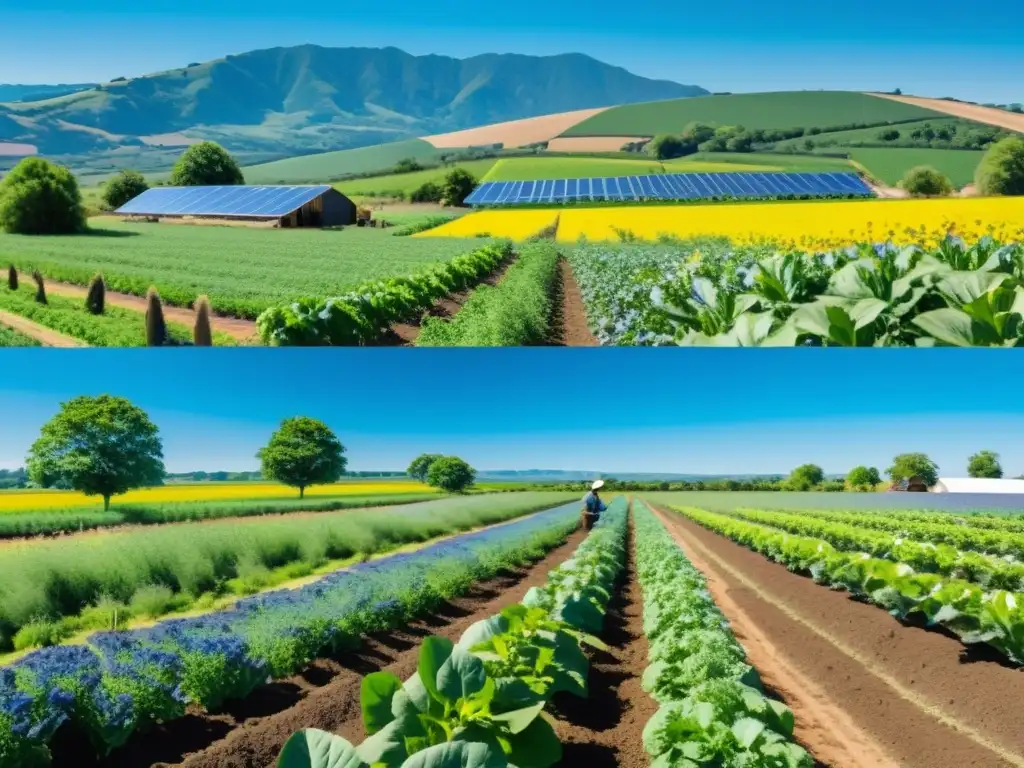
pixel 569 322
pixel 988 115
pixel 514 133
pixel 605 730
pixel 242 330
pixel 326 695
pixel 858 680
pixel 405 334
pixel 42 334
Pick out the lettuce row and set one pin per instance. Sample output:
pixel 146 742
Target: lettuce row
pixel 480 703
pixel 363 315
pixel 924 557
pixel 995 617
pixel 713 711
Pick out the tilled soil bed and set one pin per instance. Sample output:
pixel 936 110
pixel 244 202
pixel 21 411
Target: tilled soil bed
pixel 919 696
pixel 326 695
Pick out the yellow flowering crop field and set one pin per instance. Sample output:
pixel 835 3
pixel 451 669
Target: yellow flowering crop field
pixel 515 225
pixel 22 501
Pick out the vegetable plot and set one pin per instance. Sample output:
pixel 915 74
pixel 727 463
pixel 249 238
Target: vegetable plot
pixel 481 702
pixel 122 682
pixel 976 615
pixel 713 710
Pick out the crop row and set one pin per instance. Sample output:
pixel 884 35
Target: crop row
pixel 975 615
pixel 481 702
pixel 516 312
pixel 713 293
pixel 894 519
pixel 998 539
pixel 927 557
pixel 119 683
pixel 363 315
pixel 713 710
pixel 12 338
pixel 51 589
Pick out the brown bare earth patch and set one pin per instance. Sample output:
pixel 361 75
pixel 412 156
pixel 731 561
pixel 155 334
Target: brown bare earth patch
pixel 243 330
pixel 569 326
pixel 326 694
pixel 988 115
pixel 515 133
pixel 919 696
pixel 591 143
pixel 605 730
pixel 42 334
pixel 405 334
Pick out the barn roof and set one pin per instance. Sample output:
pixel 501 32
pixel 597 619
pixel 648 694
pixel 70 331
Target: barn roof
pixel 978 485
pixel 270 202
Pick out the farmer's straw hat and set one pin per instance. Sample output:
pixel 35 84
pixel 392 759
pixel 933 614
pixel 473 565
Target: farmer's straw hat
pixel 597 484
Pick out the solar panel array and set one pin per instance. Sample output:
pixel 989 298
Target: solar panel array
pixel 256 202
pixel 671 186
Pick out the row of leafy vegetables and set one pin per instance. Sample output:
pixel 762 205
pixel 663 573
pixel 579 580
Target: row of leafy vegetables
pixel 480 703
pixel 710 292
pixel 713 711
pixel 975 614
pixel 364 315
pixel 119 684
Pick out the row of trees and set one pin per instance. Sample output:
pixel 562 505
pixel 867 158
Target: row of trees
pixel 105 446
pixel 1001 172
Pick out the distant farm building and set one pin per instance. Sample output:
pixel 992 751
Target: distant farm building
pixel 305 206
pixel 978 485
pixel 914 484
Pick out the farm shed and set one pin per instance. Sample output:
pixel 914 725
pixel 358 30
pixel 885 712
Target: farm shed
pixel 978 485
pixel 286 206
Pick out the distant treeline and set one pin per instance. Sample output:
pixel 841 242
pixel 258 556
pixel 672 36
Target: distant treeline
pixel 755 484
pixel 18 478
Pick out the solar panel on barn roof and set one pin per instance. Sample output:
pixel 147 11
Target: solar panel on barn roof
pixel 672 186
pixel 242 201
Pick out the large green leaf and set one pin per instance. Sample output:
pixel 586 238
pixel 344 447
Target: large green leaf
pixel 458 754
pixel 950 326
pixel 519 719
pixel 537 746
pixel 313 748
pixel 482 631
pixel 377 691
pixel 461 675
pixel 433 654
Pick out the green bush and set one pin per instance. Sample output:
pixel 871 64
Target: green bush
pixel 925 181
pixel 152 600
pixel 206 164
pixel 95 297
pixel 126 186
pixel 40 198
pixel 665 147
pixel 458 185
pixel 1001 171
pixel 430 192
pixel 451 474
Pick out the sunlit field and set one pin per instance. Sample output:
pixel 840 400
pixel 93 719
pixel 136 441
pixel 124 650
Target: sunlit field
pixel 517 225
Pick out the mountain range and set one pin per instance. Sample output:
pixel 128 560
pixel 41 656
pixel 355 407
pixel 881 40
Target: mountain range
pixel 297 100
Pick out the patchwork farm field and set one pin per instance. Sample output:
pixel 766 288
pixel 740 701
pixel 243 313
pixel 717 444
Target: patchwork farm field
pixel 658 612
pixel 890 165
pixel 326 166
pixel 404 184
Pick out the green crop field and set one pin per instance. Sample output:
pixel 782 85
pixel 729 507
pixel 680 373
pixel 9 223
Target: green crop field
pixel 403 184
pixel 11 338
pixel 786 109
pixel 781 162
pixel 842 138
pixel 891 164
pixel 332 165
pixel 561 167
pixel 243 270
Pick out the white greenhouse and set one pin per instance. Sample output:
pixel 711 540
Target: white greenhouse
pixel 978 485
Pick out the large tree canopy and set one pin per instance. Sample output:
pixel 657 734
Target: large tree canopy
pixel 805 477
pixel 40 198
pixel 206 164
pixel 984 464
pixel 908 465
pixel 863 478
pixel 1001 171
pixel 303 452
pixel 419 466
pixel 451 474
pixel 101 446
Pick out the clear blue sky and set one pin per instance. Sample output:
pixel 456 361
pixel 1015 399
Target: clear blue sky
pixel 625 410
pixel 939 47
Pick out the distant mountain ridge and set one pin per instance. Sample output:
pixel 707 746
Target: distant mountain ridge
pixel 309 98
pixel 14 92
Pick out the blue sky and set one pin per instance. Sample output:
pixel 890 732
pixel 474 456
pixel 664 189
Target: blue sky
pixel 626 410
pixel 933 48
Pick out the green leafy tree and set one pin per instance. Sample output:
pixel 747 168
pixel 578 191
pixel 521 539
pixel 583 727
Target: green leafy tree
pixel 451 474
pixel 458 185
pixel 303 452
pixel 421 465
pixel 925 181
pixel 127 185
pixel 666 146
pixel 40 198
pixel 805 477
pixel 984 464
pixel 907 465
pixel 863 478
pixel 101 446
pixel 206 164
pixel 1001 171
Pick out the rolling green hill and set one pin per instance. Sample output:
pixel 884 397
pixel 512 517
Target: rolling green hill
pixel 784 109
pixel 327 166
pixel 891 164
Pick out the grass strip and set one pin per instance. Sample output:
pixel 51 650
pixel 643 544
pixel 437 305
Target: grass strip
pixel 12 338
pixel 516 312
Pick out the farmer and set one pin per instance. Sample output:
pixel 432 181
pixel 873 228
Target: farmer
pixel 592 506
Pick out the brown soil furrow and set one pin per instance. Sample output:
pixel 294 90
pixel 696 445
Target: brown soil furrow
pixel 574 331
pixel 989 115
pixel 405 334
pixel 326 695
pixel 242 330
pixel 919 695
pixel 42 334
pixel 606 728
